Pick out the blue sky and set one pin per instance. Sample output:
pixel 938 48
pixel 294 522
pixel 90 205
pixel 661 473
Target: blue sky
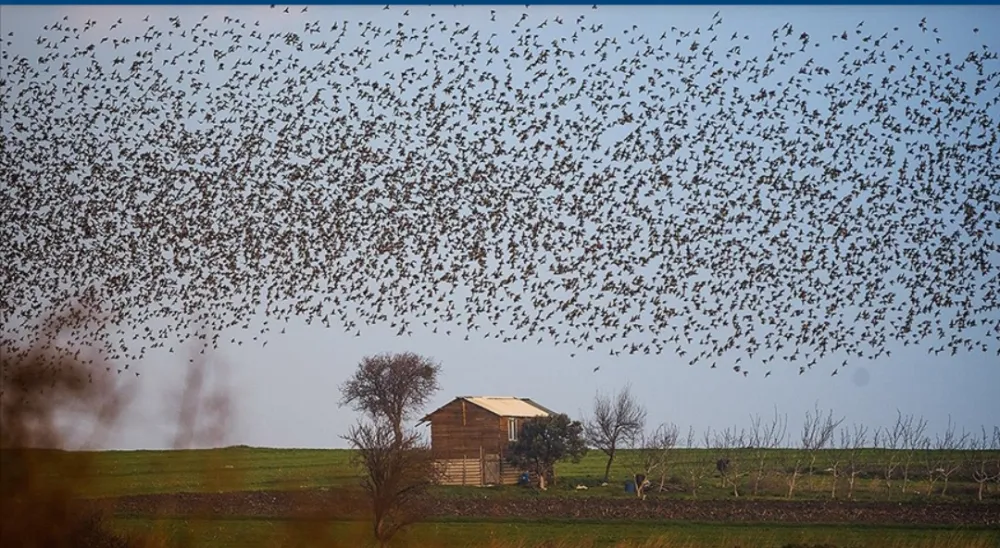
pixel 285 394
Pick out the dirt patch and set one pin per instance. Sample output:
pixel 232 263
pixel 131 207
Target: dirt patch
pixel 344 504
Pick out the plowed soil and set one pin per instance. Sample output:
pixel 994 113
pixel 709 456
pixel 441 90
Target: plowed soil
pixel 346 504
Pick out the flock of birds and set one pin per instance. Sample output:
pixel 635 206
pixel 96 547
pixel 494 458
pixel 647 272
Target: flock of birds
pixel 695 193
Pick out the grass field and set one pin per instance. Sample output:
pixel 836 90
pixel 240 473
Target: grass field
pixel 119 473
pixel 107 475
pixel 229 532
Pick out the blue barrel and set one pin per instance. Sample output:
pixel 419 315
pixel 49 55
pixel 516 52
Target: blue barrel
pixel 630 486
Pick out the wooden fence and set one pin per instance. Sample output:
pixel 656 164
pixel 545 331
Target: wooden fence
pixel 480 470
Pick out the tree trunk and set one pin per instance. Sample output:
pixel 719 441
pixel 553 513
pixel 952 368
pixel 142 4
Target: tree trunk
pixel 791 484
pixel 756 481
pixel 812 464
pixel 850 485
pixel 607 467
pixel 906 474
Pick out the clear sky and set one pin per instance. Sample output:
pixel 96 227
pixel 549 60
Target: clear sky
pixel 285 394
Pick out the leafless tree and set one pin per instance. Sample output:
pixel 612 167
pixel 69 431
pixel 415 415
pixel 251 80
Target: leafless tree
pixel 913 435
pixel 886 442
pixel 699 467
pixel 729 445
pixel 792 461
pixel 996 454
pixel 391 388
pixel 616 422
pixel 398 467
pixel 853 442
pixel 943 458
pixel 982 449
pixel 932 464
pixel 836 468
pixel 817 434
pixel 764 439
pixel 652 454
pixel 396 471
pixel 949 447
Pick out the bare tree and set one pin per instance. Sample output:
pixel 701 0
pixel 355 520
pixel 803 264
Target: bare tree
pixel 764 439
pixel 944 457
pixel 932 464
pixel 391 388
pixel 950 446
pixel 853 441
pixel 817 433
pixel 792 462
pixel 996 454
pixel 886 442
pixel 396 472
pixel 698 467
pixel 913 435
pixel 652 454
pixel 616 422
pixel 835 468
pixel 398 467
pixel 729 444
pixel 982 448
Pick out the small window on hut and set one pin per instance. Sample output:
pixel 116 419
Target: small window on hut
pixel 512 429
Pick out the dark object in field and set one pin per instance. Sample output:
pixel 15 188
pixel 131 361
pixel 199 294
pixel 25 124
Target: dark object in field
pixel 722 465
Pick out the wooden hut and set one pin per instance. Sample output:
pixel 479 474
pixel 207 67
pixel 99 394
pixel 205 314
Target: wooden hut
pixel 469 437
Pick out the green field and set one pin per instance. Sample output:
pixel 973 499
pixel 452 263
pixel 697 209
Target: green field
pixel 229 532
pixel 118 473
pixel 106 475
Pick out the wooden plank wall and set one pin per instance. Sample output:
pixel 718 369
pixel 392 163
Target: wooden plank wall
pixel 466 433
pixel 509 475
pixel 469 472
pixel 460 471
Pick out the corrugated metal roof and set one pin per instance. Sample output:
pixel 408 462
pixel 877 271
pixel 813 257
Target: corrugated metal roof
pixel 506 406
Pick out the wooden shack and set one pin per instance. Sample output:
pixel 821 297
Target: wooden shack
pixel 470 435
